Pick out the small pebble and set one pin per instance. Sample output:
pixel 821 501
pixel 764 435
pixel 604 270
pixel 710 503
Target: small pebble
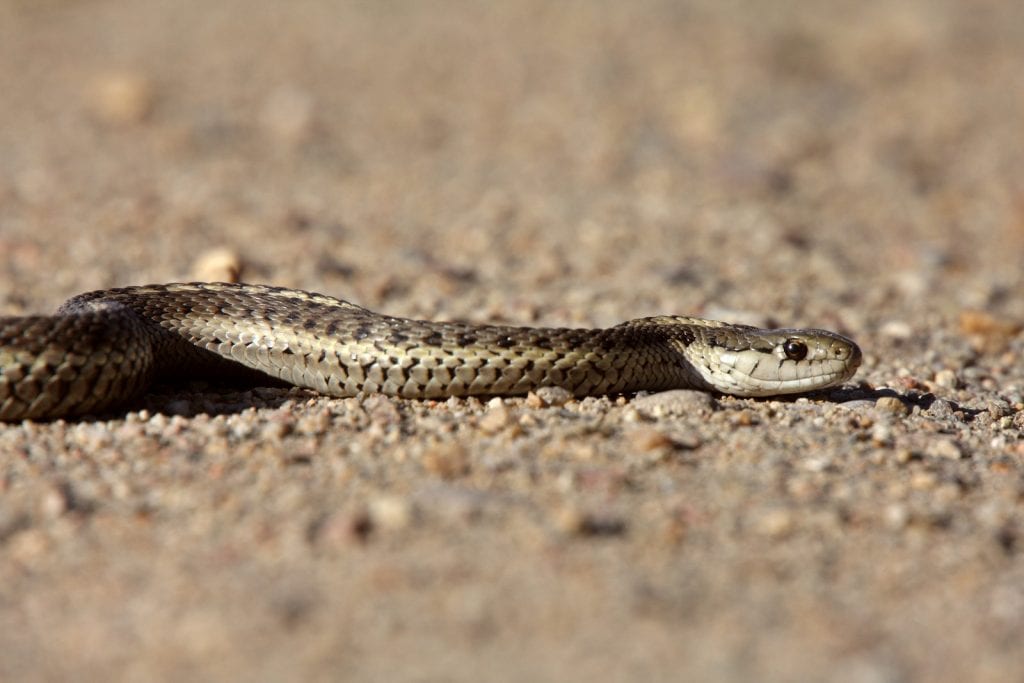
pixel 548 396
pixel 896 516
pixel 447 460
pixel 221 264
pixel 744 418
pixel 942 409
pixel 573 521
pixel 817 464
pixel 678 402
pixel 390 513
pixel 892 406
pixel 382 410
pixel 649 439
pixel 998 408
pixel 903 456
pixel 861 404
pixel 496 418
pixel 881 435
pixel 775 523
pixel 944 448
pixel 122 98
pixel 315 423
pixel 896 329
pixel 946 379
pixel 923 481
pixel 56 501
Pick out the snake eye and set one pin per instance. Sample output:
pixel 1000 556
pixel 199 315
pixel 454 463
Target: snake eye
pixel 795 349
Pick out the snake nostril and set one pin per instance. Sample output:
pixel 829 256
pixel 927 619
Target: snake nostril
pixel 795 349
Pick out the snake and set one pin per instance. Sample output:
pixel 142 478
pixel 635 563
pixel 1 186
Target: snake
pixel 102 350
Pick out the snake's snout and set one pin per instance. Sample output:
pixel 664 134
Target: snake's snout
pixel 843 349
pixel 834 358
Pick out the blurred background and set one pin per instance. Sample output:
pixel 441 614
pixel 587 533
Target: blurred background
pixel 570 161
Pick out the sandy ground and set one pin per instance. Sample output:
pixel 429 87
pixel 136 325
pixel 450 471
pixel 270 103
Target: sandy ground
pixel 849 165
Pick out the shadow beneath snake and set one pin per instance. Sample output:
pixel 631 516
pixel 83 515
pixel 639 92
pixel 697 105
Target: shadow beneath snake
pixel 924 400
pixel 231 395
pixel 226 393
pixel 204 398
pixel 222 395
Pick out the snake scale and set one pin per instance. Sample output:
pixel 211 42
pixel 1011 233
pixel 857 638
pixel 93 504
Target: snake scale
pixel 103 349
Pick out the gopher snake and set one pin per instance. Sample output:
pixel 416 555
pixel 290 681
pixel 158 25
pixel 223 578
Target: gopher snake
pixel 104 348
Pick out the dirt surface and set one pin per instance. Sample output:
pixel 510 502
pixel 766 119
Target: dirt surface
pixel 854 165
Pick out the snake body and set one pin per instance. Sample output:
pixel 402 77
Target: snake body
pixel 103 349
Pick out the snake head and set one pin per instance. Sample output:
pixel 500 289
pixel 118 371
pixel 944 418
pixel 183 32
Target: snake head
pixel 753 362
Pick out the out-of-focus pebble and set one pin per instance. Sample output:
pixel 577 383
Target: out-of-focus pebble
pixel 496 418
pixel 447 460
pixel 775 523
pixel 221 264
pixel 122 98
pixel 881 435
pixel 382 410
pixel 923 481
pixel 315 423
pixel 744 418
pixel 896 329
pixel 27 546
pixel 56 501
pixel 892 406
pixel 896 516
pixel 288 115
pixel 988 332
pixel 903 456
pixel 859 405
pixel 548 396
pixel 678 402
pixel 649 439
pixel 572 520
pixel 390 513
pixel 944 448
pixel 946 379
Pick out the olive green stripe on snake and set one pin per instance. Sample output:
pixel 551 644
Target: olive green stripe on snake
pixel 103 349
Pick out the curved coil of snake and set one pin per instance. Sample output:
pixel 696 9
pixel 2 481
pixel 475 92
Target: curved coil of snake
pixel 103 349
